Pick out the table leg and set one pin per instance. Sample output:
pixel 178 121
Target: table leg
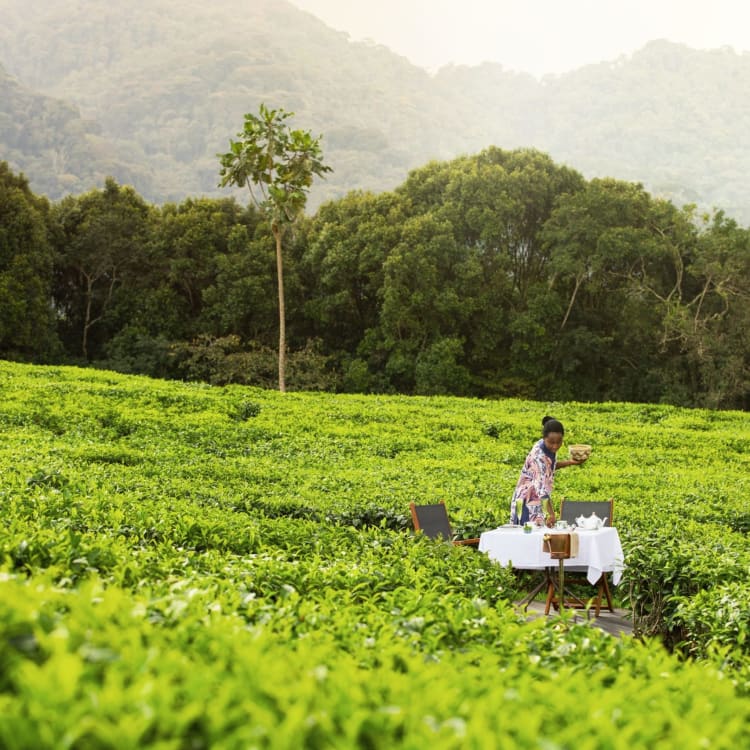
pixel 530 596
pixel 558 587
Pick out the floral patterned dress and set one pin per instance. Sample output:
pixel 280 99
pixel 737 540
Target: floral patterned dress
pixel 534 485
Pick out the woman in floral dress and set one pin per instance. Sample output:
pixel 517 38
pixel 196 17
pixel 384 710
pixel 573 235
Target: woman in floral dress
pixel 532 501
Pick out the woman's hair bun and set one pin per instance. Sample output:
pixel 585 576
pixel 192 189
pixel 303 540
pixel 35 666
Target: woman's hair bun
pixel 550 424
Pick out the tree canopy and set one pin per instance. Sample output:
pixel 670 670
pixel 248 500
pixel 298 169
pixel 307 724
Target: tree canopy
pixel 26 263
pixel 497 274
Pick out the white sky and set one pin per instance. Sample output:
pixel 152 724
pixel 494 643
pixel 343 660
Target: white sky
pixel 534 36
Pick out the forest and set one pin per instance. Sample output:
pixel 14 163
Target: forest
pixel 492 275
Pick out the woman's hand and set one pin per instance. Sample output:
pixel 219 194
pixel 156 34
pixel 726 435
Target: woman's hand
pixel 571 462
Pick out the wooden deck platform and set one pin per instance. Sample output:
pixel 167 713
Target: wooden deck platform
pixel 615 623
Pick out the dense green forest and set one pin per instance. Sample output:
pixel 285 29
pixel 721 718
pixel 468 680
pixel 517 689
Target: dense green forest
pixel 154 102
pixel 502 273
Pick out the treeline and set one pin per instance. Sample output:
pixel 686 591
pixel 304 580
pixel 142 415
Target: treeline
pixel 497 274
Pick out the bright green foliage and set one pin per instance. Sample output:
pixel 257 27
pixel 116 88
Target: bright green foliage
pixel 194 566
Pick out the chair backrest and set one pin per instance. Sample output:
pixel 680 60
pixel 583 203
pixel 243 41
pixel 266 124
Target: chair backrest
pixel 571 509
pixel 557 545
pixel 432 520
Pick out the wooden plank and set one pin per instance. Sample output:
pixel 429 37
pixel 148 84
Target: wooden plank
pixel 615 623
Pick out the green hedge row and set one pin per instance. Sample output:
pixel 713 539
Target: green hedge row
pixel 187 566
pixel 100 666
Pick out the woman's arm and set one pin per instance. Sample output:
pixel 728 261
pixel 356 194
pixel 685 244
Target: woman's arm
pixel 563 464
pixel 551 519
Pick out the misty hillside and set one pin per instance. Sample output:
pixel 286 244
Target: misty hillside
pixel 52 143
pixel 151 90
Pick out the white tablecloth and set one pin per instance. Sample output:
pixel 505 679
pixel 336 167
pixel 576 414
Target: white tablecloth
pixel 600 551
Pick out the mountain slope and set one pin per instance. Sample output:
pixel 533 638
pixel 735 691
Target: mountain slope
pixel 171 86
pixel 47 139
pixel 177 86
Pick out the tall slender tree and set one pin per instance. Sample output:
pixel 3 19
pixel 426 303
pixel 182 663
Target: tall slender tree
pixel 277 165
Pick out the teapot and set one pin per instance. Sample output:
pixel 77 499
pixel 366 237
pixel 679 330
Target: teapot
pixel 591 523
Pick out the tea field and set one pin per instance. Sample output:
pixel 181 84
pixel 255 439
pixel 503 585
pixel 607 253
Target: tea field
pixel 185 566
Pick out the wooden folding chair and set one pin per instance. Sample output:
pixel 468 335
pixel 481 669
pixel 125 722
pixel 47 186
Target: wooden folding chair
pixel 432 521
pixel 569 511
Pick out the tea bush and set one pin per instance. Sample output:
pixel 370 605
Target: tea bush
pixel 98 666
pixel 184 565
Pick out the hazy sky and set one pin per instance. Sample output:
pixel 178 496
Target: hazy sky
pixel 535 36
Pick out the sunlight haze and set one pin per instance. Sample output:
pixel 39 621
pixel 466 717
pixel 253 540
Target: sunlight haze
pixel 533 36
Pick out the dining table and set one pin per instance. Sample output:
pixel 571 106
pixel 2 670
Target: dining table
pixel 598 551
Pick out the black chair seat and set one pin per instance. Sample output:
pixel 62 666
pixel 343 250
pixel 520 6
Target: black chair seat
pixel 432 520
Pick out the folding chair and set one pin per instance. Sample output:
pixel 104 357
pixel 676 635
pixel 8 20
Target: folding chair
pixel 432 521
pixel 569 511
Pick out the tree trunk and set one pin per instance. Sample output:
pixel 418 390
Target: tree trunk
pixel 579 280
pixel 87 319
pixel 282 308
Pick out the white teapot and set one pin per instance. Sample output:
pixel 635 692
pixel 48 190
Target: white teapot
pixel 591 523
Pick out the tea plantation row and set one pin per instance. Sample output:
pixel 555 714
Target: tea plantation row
pixel 186 566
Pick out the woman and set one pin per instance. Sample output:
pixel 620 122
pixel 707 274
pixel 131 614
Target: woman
pixel 532 501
